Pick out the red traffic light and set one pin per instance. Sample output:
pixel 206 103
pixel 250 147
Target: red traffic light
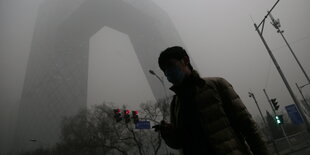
pixel 117 114
pixel 135 116
pixel 134 112
pixel 127 112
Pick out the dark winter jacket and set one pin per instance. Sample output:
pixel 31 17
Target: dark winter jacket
pixel 208 117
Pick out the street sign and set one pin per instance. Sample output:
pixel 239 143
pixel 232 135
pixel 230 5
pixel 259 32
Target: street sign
pixel 143 125
pixel 294 114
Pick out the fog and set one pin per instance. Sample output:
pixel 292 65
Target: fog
pixel 126 73
pixel 218 35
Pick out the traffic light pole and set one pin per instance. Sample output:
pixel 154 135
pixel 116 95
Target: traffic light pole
pixel 269 137
pixel 275 114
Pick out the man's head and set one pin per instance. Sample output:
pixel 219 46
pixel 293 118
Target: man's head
pixel 175 63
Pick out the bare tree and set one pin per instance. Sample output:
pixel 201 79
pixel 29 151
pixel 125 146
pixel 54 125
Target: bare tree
pixel 94 131
pixel 155 112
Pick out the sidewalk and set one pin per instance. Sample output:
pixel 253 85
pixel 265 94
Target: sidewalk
pixel 303 149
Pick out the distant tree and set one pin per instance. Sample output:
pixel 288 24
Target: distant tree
pixel 94 131
pixel 154 112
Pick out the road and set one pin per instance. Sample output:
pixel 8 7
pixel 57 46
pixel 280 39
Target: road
pixel 305 151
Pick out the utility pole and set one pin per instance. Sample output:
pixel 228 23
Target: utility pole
pixel 260 33
pixel 269 137
pixel 276 24
pixel 275 114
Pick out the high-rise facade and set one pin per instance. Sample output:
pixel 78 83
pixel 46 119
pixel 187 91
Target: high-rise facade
pixel 55 85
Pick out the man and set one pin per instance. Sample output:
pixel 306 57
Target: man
pixel 207 116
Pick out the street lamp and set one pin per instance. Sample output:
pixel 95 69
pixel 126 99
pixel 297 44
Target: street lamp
pixel 165 105
pixel 161 81
pixel 304 85
pixel 252 95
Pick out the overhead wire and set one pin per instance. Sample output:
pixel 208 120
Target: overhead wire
pixel 268 75
pixel 269 67
pixel 293 42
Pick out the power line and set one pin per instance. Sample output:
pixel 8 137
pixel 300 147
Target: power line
pixel 293 42
pixel 268 75
pixel 277 26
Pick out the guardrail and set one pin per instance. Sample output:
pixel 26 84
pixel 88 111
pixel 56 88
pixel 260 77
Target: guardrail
pixel 298 141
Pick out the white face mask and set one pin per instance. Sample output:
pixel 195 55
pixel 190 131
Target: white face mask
pixel 175 75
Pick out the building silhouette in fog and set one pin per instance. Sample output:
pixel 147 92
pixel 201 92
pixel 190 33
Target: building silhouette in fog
pixel 56 77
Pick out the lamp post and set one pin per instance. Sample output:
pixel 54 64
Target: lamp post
pixel 165 105
pixel 161 81
pixel 252 95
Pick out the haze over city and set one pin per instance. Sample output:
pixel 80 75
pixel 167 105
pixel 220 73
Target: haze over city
pixel 219 36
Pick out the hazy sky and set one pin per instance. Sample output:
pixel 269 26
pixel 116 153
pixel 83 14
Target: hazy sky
pixel 221 39
pixel 218 34
pixel 115 74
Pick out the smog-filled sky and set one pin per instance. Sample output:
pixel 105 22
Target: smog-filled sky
pixel 222 40
pixel 219 35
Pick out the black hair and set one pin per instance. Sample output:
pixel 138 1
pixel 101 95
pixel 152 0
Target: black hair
pixel 175 52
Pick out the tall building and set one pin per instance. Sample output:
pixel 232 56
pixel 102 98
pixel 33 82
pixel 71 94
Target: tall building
pixel 55 85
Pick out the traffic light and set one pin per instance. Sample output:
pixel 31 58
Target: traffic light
pixel 279 119
pixel 135 116
pixel 127 116
pixel 117 115
pixel 275 103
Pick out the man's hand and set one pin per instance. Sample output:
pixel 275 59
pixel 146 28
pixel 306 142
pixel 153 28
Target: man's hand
pixel 163 127
pixel 156 127
pixel 170 134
